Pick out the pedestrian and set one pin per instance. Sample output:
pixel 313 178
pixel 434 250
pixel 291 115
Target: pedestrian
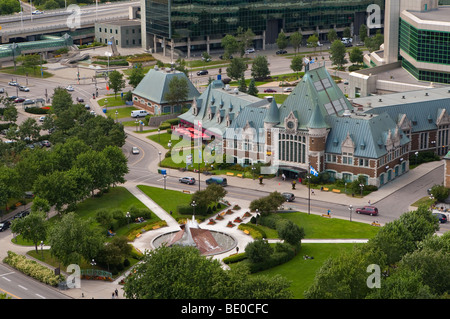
pixel 369 201
pixel 113 295
pixel 116 292
pixel 237 249
pixel 328 213
pixel 283 177
pixel 312 191
pixel 293 184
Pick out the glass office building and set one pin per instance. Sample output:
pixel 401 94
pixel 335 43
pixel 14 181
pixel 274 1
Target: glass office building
pixel 198 21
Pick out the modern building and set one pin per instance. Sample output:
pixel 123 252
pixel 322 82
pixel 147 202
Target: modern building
pixel 150 94
pixel 201 25
pixel 125 33
pixel 417 33
pixel 316 125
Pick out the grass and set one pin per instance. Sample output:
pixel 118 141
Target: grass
pixel 111 101
pixel 279 98
pixel 168 199
pixel 301 272
pixel 24 71
pixel 121 112
pixel 424 201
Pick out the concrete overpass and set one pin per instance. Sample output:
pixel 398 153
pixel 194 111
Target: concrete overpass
pixel 24 27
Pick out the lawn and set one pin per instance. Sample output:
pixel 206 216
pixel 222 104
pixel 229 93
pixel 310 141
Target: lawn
pixel 316 226
pixel 24 71
pixel 301 272
pixel 122 112
pixel 111 101
pixel 279 98
pixel 168 199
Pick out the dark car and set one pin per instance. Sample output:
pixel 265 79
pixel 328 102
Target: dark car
pixel 80 99
pixel 19 100
pixel 217 180
pixel 442 218
pixel 368 210
pixel 281 52
pixel 222 57
pixel 269 90
pixel 21 214
pixel 187 180
pixel 4 225
pixel 202 72
pixel 289 197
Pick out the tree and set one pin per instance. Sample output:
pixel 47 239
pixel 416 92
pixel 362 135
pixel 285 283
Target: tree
pixel 204 198
pixel 338 52
pixel 373 43
pixel 10 113
pixel 297 64
pixel 356 55
pixel 260 68
pixel 61 100
pixel 267 204
pixel 332 35
pixel 296 40
pixel 136 76
pixel 178 91
pixel 363 33
pixel 440 192
pixel 252 90
pixel 258 251
pixel 9 7
pixel 29 129
pixel 312 41
pixel 347 33
pixel 32 227
pixel 116 81
pixel 181 66
pixel 230 45
pixel 73 238
pixel 290 232
pixel 244 39
pixel 282 41
pixel 29 61
pixel 114 252
pixel 236 69
pixel 242 85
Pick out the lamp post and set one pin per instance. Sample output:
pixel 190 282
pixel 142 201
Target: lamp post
pixel 309 188
pixel 350 208
pixel 417 155
pixel 128 216
pixel 164 176
pixel 159 139
pixel 117 115
pixel 362 187
pixel 42 249
pixel 193 204
pixel 93 263
pixel 159 153
pixel 136 122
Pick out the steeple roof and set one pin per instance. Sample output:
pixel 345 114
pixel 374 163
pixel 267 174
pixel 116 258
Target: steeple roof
pixel 273 115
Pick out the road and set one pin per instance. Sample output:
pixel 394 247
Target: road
pixel 18 286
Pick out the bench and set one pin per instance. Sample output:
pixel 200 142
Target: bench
pixel 336 190
pixel 138 235
pixel 246 232
pixel 187 192
pixel 376 224
pixel 239 175
pixel 325 189
pixel 156 227
pixel 230 174
pixel 326 215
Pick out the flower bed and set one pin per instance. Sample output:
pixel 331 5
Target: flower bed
pixel 219 217
pixel 230 224
pixel 247 214
pixel 211 221
pixel 229 212
pixel 237 220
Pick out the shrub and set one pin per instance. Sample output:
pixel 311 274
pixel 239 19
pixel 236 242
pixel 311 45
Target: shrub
pixel 254 231
pixel 234 258
pixel 36 110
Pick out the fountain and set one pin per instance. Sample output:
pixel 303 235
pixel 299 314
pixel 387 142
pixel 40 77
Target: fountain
pixel 208 242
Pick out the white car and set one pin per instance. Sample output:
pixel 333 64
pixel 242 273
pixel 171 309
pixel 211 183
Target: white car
pixel 69 88
pixel 42 119
pixel 13 83
pixel 287 90
pixel 248 51
pixel 37 12
pixel 135 150
pixel 24 88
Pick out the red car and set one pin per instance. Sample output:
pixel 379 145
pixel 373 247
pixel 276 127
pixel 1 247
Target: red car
pixel 19 100
pixel 269 90
pixel 368 210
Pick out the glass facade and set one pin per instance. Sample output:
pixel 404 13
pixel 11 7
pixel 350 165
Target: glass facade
pixel 179 19
pixel 425 46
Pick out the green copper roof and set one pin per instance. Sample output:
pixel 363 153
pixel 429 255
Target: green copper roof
pixel 273 116
pixel 155 84
pixel 317 120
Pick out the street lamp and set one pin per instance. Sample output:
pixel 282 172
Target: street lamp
pixel 417 155
pixel 117 114
pixel 42 249
pixel 350 208
pixel 159 139
pixel 164 176
pixel 128 216
pixel 362 187
pixel 159 153
pixel 137 122
pixel 193 204
pixel 93 263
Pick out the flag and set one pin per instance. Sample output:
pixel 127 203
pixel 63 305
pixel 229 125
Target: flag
pixel 313 171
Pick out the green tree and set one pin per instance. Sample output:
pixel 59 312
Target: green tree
pixel 9 185
pixel 9 7
pixel 116 81
pixel 61 100
pixel 312 41
pixel 356 55
pixel 252 90
pixel 29 61
pixel 230 45
pixel 260 68
pixel 338 53
pixel 244 39
pixel 32 227
pixel 136 76
pixel 290 232
pixel 373 43
pixel 440 192
pixel 267 204
pixel 72 239
pixel 296 40
pixel 363 32
pixel 282 41
pixel 258 251
pixel 332 35
pixel 178 91
pixel 181 66
pixel 347 33
pixel 29 129
pixel 242 85
pixel 297 64
pixel 236 69
pixel 10 113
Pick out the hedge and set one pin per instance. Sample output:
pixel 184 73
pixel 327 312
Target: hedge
pixel 36 110
pixel 235 258
pixel 283 253
pixel 254 231
pixel 33 269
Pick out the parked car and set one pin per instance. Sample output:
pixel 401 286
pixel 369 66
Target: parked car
pixel 248 51
pixel 11 98
pixel 2 90
pixel 69 88
pixel 28 102
pixel 29 194
pixel 289 196
pixel 24 88
pixel 4 225
pixel 281 52
pixel 37 12
pixel 42 119
pixel 442 218
pixel 368 210
pixel 202 72
pixel 19 100
pixel 87 107
pixel 135 150
pixel 187 180
pixel 80 99
pixel 217 180
pixel 21 214
pixel 287 89
pixel 222 57
pixel 46 143
pixel 269 90
pixel 13 83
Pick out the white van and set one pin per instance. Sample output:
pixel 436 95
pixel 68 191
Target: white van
pixel 139 113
